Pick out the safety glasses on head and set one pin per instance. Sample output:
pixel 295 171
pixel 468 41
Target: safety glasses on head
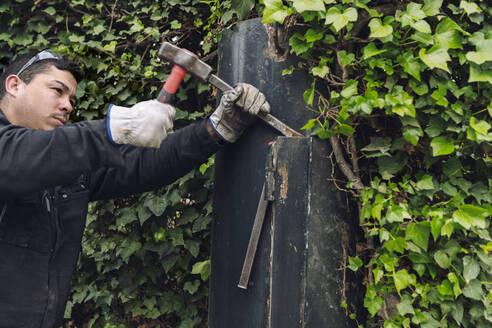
pixel 45 54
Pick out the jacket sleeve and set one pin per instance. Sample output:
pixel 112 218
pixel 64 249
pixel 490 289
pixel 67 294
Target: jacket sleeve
pixel 146 169
pixel 33 160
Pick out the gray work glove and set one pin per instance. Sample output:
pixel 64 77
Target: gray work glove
pixel 237 110
pixel 145 124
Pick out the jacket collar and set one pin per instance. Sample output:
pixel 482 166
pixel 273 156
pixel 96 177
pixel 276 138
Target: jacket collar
pixel 3 119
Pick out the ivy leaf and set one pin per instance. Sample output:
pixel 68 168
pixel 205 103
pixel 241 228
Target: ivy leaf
pixel 447 34
pixel 443 145
pixel 345 129
pixel 410 64
pixel 321 71
pixel 405 306
pixel 479 75
pixel 436 126
pixel 350 89
pixel 396 214
pixel 309 5
pixel 379 145
pixel 445 288
pixel 309 94
pixel 442 259
pixel 418 233
pixel 378 30
pixel 473 290
pixel 299 44
pixel 242 7
pixel 470 7
pixel 313 35
pixel 400 102
pixel 402 279
pixel 396 245
pixel 338 19
pixel 23 39
pixel 191 287
pixel 478 130
pixel 346 59
pixel 289 70
pixel 481 192
pixel 193 246
pixel 422 26
pixel 143 214
pixel 373 305
pixel 156 204
pixel 111 46
pixel 371 50
pixel 50 11
pixel 274 11
pixel 127 249
pixel 425 183
pixel 310 124
pixel 432 7
pixel 354 263
pixel 412 134
pixel 430 321
pixel 440 95
pixel 483 53
pixel 471 216
pixel 436 57
pixel 481 127
pixel 436 225
pixel 176 237
pixel 127 216
pixel 389 166
pixel 203 269
pixel 98 29
pixel 456 284
pixel 414 10
pixel 471 268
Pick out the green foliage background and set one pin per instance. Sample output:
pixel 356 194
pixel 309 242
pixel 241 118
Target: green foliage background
pixel 404 93
pixel 145 259
pixel 408 113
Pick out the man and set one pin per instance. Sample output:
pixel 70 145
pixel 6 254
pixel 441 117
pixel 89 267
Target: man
pixel 49 172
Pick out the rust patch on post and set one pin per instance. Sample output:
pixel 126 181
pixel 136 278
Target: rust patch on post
pixel 284 185
pixel 278 46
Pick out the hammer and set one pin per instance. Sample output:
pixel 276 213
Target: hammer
pixel 185 61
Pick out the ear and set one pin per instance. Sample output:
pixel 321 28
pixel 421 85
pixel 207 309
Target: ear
pixel 13 84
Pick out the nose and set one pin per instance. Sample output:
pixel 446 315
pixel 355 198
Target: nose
pixel 67 105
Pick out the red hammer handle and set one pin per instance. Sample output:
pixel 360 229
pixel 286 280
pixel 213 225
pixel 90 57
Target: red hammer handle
pixel 171 86
pixel 166 95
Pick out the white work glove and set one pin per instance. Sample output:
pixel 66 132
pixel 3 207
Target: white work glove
pixel 237 110
pixel 145 124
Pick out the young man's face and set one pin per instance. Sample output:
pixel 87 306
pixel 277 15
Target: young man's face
pixel 46 102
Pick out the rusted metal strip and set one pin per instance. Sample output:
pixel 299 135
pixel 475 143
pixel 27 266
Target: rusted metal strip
pixel 253 241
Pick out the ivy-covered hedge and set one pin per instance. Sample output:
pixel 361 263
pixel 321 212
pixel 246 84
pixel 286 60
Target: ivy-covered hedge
pixel 405 91
pixel 145 260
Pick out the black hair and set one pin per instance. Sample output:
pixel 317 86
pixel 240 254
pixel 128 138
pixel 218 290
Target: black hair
pixel 39 67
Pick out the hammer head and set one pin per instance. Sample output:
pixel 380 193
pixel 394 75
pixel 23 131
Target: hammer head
pixel 186 59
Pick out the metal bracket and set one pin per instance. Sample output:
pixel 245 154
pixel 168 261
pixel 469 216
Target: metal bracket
pixel 267 196
pixel 270 167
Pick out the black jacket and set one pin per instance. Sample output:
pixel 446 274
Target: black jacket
pixel 47 179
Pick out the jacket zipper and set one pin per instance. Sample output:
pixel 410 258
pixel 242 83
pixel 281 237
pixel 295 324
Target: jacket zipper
pixel 49 200
pixel 4 210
